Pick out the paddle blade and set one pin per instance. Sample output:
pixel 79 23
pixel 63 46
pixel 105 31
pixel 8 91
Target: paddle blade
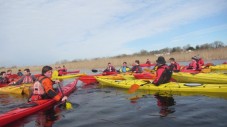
pixel 94 70
pixel 133 88
pixel 54 74
pixel 68 105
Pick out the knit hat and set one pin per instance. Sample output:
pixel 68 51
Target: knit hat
pixel 161 60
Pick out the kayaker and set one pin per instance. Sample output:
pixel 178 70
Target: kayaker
pixel 194 65
pixel 148 62
pixel 47 85
pixel 136 68
pixel 19 73
pixel 110 68
pixel 174 65
pixel 9 73
pixel 124 68
pixel 163 73
pixel 200 61
pixel 3 78
pixel 64 69
pixel 26 78
pixel 60 72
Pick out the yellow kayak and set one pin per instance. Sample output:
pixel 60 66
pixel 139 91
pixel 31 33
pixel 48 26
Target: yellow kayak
pixel 171 86
pixel 17 89
pixel 67 76
pixel 213 78
pixel 113 77
pixel 219 67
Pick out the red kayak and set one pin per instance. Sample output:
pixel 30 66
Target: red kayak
pixel 3 85
pixel 32 107
pixel 88 79
pixel 109 73
pixel 71 72
pixel 147 65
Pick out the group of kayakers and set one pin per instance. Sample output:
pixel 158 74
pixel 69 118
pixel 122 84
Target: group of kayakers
pixel 124 68
pixel 43 91
pixel 163 71
pixel 7 77
pixel 163 75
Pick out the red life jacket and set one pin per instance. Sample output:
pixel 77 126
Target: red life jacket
pixel 201 62
pixel 164 74
pixel 27 79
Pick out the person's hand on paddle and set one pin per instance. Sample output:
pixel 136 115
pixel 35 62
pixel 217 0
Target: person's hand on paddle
pixel 57 81
pixel 64 98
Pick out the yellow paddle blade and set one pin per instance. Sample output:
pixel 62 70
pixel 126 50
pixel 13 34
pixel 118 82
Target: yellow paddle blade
pixel 133 88
pixel 68 105
pixel 55 74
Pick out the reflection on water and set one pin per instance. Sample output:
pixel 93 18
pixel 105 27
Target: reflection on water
pixel 165 103
pixel 47 118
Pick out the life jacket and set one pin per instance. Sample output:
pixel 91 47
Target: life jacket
pixel 148 62
pixel 165 76
pixel 201 62
pixel 192 65
pixel 110 69
pixel 4 80
pixel 175 67
pixel 124 70
pixel 37 90
pixel 137 69
pixel 27 79
pixel 198 67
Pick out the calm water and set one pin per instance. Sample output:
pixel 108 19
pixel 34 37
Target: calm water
pixel 112 107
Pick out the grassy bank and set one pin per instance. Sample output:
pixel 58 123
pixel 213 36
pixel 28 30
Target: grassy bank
pixel 209 54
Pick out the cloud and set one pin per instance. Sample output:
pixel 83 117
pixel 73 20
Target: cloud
pixel 43 32
pixel 198 34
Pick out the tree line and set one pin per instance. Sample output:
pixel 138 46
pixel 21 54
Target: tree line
pixel 213 45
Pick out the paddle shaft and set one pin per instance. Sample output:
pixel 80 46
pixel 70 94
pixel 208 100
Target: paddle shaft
pixel 61 90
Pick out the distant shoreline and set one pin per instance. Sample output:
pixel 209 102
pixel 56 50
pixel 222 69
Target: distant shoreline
pixel 207 55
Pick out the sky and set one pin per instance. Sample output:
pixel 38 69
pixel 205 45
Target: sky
pixel 42 32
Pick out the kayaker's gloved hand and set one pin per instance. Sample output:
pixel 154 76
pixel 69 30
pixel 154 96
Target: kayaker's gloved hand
pixel 64 98
pixel 56 81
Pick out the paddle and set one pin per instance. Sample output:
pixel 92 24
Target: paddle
pixel 54 74
pixel 68 105
pixel 95 70
pixel 135 87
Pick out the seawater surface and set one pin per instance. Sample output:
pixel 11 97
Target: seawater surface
pixel 95 106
